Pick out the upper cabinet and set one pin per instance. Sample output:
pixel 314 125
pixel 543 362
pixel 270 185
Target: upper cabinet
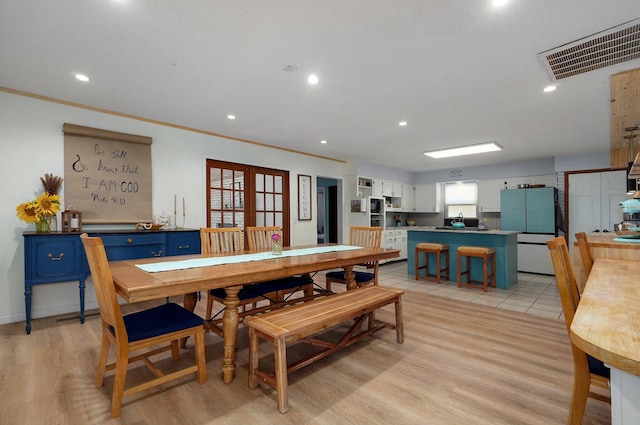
pixel 392 193
pixel 391 189
pixel 489 195
pixel 365 187
pixel 368 186
pixel 427 198
pixel 408 197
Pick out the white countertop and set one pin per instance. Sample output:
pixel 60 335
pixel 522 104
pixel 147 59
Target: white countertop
pixel 433 229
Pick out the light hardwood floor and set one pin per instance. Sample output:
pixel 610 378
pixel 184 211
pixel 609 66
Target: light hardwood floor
pixel 461 363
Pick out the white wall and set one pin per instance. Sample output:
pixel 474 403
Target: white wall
pixel 31 142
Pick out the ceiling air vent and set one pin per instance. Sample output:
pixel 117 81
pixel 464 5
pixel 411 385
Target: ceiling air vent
pixel 615 45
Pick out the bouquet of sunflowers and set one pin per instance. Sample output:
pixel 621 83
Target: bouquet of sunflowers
pixel 44 207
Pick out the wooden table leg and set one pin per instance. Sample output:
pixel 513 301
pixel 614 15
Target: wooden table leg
pixel 189 302
pixel 350 277
pixel 230 320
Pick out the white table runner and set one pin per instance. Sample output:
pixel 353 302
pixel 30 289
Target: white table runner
pixel 241 258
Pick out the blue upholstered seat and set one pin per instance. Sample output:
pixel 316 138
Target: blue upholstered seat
pixel 597 367
pixel 160 320
pixel 258 290
pixel 361 277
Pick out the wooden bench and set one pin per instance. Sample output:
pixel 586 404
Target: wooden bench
pixel 300 322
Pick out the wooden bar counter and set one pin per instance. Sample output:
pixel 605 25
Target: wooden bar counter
pixel 607 326
pixel 602 245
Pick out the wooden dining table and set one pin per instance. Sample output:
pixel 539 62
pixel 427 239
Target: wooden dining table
pixel 134 284
pixel 607 326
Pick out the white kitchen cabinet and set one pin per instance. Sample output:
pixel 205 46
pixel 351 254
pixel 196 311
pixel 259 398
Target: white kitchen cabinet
pixel 489 195
pixel 391 189
pixel 376 184
pixel 427 198
pixel 364 187
pixel 408 198
pixel 395 239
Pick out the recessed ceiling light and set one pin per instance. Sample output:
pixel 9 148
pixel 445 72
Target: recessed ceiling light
pixel 324 142
pixel 82 77
pixel 313 79
pixel 499 3
pixel 231 117
pixel 402 123
pixel 550 88
pixel 465 150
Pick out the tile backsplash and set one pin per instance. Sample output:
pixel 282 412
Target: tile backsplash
pixel 491 220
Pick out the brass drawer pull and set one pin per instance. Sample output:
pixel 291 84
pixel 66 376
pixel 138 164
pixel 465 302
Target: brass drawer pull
pixel 159 254
pixel 58 258
pixel 129 240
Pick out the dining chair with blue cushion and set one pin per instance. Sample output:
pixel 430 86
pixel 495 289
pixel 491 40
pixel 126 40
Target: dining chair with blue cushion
pixel 154 330
pixel 587 370
pixel 270 294
pixel 368 237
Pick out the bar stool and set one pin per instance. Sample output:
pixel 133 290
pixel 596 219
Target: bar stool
pixel 432 248
pixel 481 252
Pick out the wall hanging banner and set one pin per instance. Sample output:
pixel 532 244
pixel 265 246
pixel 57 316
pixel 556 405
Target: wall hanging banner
pixel 107 175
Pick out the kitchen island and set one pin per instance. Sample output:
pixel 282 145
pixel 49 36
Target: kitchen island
pixel 504 242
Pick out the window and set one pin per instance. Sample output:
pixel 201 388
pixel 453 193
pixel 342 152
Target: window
pixel 461 197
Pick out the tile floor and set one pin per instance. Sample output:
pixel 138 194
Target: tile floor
pixel 532 294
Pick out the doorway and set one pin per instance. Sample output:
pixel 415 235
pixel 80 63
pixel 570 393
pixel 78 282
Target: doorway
pixel 327 210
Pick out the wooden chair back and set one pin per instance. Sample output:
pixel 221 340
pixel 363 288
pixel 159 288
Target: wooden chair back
pixel 259 238
pixel 110 311
pixel 565 278
pixel 221 239
pixel 369 237
pixel 585 254
pixel 570 298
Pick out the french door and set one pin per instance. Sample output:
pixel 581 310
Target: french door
pixel 241 195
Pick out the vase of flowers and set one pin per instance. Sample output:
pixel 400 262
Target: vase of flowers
pixel 42 210
pixel 276 244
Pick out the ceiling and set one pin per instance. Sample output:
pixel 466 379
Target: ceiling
pixel 459 72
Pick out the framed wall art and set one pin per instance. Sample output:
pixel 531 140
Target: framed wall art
pixel 304 197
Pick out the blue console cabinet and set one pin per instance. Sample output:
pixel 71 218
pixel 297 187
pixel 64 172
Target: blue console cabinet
pixel 59 257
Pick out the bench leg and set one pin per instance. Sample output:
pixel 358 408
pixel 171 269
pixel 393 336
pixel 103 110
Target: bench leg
pixel 282 384
pixel 253 358
pixel 399 321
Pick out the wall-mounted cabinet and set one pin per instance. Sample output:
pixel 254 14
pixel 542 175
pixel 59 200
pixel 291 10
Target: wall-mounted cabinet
pixel 408 197
pixel 489 195
pixel 428 198
pixel 391 189
pixel 368 186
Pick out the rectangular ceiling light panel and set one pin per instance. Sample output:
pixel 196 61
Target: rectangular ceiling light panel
pixel 615 45
pixel 464 150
